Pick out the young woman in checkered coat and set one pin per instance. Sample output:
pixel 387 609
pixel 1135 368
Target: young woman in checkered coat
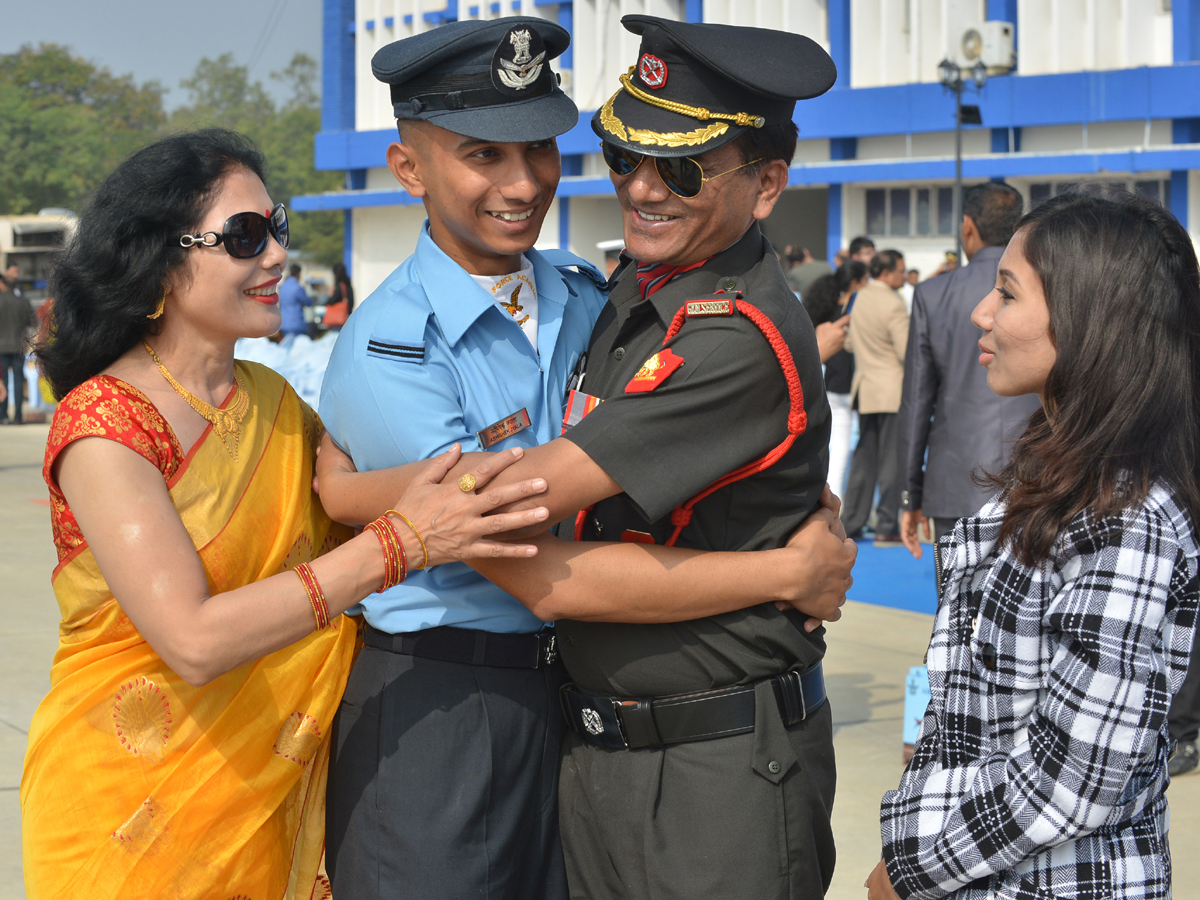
pixel 1069 602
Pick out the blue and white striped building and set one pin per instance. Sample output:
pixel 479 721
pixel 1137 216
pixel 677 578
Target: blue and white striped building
pixel 1103 90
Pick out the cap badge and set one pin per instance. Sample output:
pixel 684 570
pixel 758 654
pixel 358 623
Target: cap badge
pixel 652 70
pixel 523 69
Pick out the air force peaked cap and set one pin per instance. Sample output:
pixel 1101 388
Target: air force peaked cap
pixel 697 86
pixel 483 79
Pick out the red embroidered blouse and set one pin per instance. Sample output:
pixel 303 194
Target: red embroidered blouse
pixel 110 408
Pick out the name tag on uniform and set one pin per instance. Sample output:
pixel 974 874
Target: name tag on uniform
pixel 709 307
pixel 505 428
pixel 579 405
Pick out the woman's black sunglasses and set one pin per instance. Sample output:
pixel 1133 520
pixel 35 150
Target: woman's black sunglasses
pixel 683 176
pixel 245 235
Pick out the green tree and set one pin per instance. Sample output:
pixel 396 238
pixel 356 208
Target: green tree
pixel 64 123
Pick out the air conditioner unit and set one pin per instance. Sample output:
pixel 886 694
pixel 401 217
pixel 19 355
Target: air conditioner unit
pixel 991 42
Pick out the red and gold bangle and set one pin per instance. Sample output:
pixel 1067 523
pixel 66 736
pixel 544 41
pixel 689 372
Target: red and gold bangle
pixel 315 596
pixel 421 540
pixel 395 560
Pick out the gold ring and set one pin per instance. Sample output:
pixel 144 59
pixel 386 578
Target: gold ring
pixel 466 484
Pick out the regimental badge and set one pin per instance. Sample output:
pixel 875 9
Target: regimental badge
pixel 654 372
pixel 652 71
pixel 518 61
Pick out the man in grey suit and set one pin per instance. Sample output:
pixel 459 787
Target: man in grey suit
pixel 947 407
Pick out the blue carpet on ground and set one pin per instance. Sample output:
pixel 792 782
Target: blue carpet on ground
pixel 891 577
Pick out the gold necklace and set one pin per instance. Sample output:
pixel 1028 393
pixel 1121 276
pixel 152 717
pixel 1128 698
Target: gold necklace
pixel 226 423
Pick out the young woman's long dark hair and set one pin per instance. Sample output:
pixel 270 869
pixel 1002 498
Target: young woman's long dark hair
pixel 343 286
pixel 1120 403
pixel 111 275
pixel 821 298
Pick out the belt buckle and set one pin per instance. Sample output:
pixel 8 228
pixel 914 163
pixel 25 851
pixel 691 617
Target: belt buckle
pixel 617 706
pixel 790 695
pixel 547 649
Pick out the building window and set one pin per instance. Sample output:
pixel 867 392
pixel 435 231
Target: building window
pixel 907 212
pixel 1151 189
pixel 1156 189
pixel 901 206
pixel 876 211
pixel 923 218
pixel 945 210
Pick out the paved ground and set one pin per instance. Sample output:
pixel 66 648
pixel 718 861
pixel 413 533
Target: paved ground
pixel 871 650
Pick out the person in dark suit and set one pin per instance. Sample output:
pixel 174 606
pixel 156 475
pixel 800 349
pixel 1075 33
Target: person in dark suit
pixel 946 407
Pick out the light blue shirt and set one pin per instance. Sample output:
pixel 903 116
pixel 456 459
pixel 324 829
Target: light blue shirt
pixel 426 361
pixel 292 300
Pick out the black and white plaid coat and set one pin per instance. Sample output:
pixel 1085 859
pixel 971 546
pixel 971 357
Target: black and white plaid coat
pixel 1042 760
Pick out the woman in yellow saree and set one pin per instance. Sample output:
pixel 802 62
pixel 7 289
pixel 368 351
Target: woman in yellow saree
pixel 182 750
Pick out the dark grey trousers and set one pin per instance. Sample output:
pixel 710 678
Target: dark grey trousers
pixel 1184 718
pixel 443 782
pixel 876 460
pixel 701 821
pixel 14 363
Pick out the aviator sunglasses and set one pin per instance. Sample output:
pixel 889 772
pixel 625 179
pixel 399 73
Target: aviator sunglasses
pixel 245 235
pixel 683 176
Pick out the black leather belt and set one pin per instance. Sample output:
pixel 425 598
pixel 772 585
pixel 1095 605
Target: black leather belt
pixel 622 724
pixel 469 647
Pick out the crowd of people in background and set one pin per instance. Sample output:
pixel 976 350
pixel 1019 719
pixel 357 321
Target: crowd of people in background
pixel 902 371
pixel 902 349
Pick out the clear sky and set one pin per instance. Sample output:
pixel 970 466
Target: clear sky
pixel 164 39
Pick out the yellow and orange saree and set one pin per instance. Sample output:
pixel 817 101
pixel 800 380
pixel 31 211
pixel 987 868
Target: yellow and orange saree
pixel 136 784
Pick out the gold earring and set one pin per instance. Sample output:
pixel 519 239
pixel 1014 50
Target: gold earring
pixel 158 310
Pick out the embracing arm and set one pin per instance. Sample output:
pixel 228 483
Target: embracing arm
pixel 149 562
pixel 574 481
pixel 644 583
pixel 614 581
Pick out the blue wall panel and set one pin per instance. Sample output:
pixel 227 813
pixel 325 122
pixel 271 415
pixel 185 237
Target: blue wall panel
pixel 1177 196
pixel 337 73
pixel 1185 23
pixel 833 223
pixel 839 40
pixel 1166 92
pixel 834 174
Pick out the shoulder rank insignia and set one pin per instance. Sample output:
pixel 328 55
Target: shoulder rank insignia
pixel 654 372
pixel 401 351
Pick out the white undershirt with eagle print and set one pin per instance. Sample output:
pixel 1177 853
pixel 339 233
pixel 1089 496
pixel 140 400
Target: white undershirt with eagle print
pixel 516 294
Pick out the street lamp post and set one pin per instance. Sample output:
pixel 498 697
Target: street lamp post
pixel 951 76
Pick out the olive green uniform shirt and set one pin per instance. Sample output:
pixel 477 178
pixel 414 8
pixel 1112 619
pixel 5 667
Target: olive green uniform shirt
pixel 742 816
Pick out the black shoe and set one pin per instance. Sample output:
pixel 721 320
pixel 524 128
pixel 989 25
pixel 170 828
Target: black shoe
pixel 1185 760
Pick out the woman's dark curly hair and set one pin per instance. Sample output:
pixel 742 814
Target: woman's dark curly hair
pixel 1122 400
pixel 111 275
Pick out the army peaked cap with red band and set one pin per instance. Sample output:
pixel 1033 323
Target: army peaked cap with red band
pixel 696 87
pixel 489 80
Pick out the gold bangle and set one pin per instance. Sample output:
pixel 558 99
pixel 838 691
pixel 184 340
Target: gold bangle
pixel 424 549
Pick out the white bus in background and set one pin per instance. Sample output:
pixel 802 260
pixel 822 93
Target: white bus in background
pixel 31 243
